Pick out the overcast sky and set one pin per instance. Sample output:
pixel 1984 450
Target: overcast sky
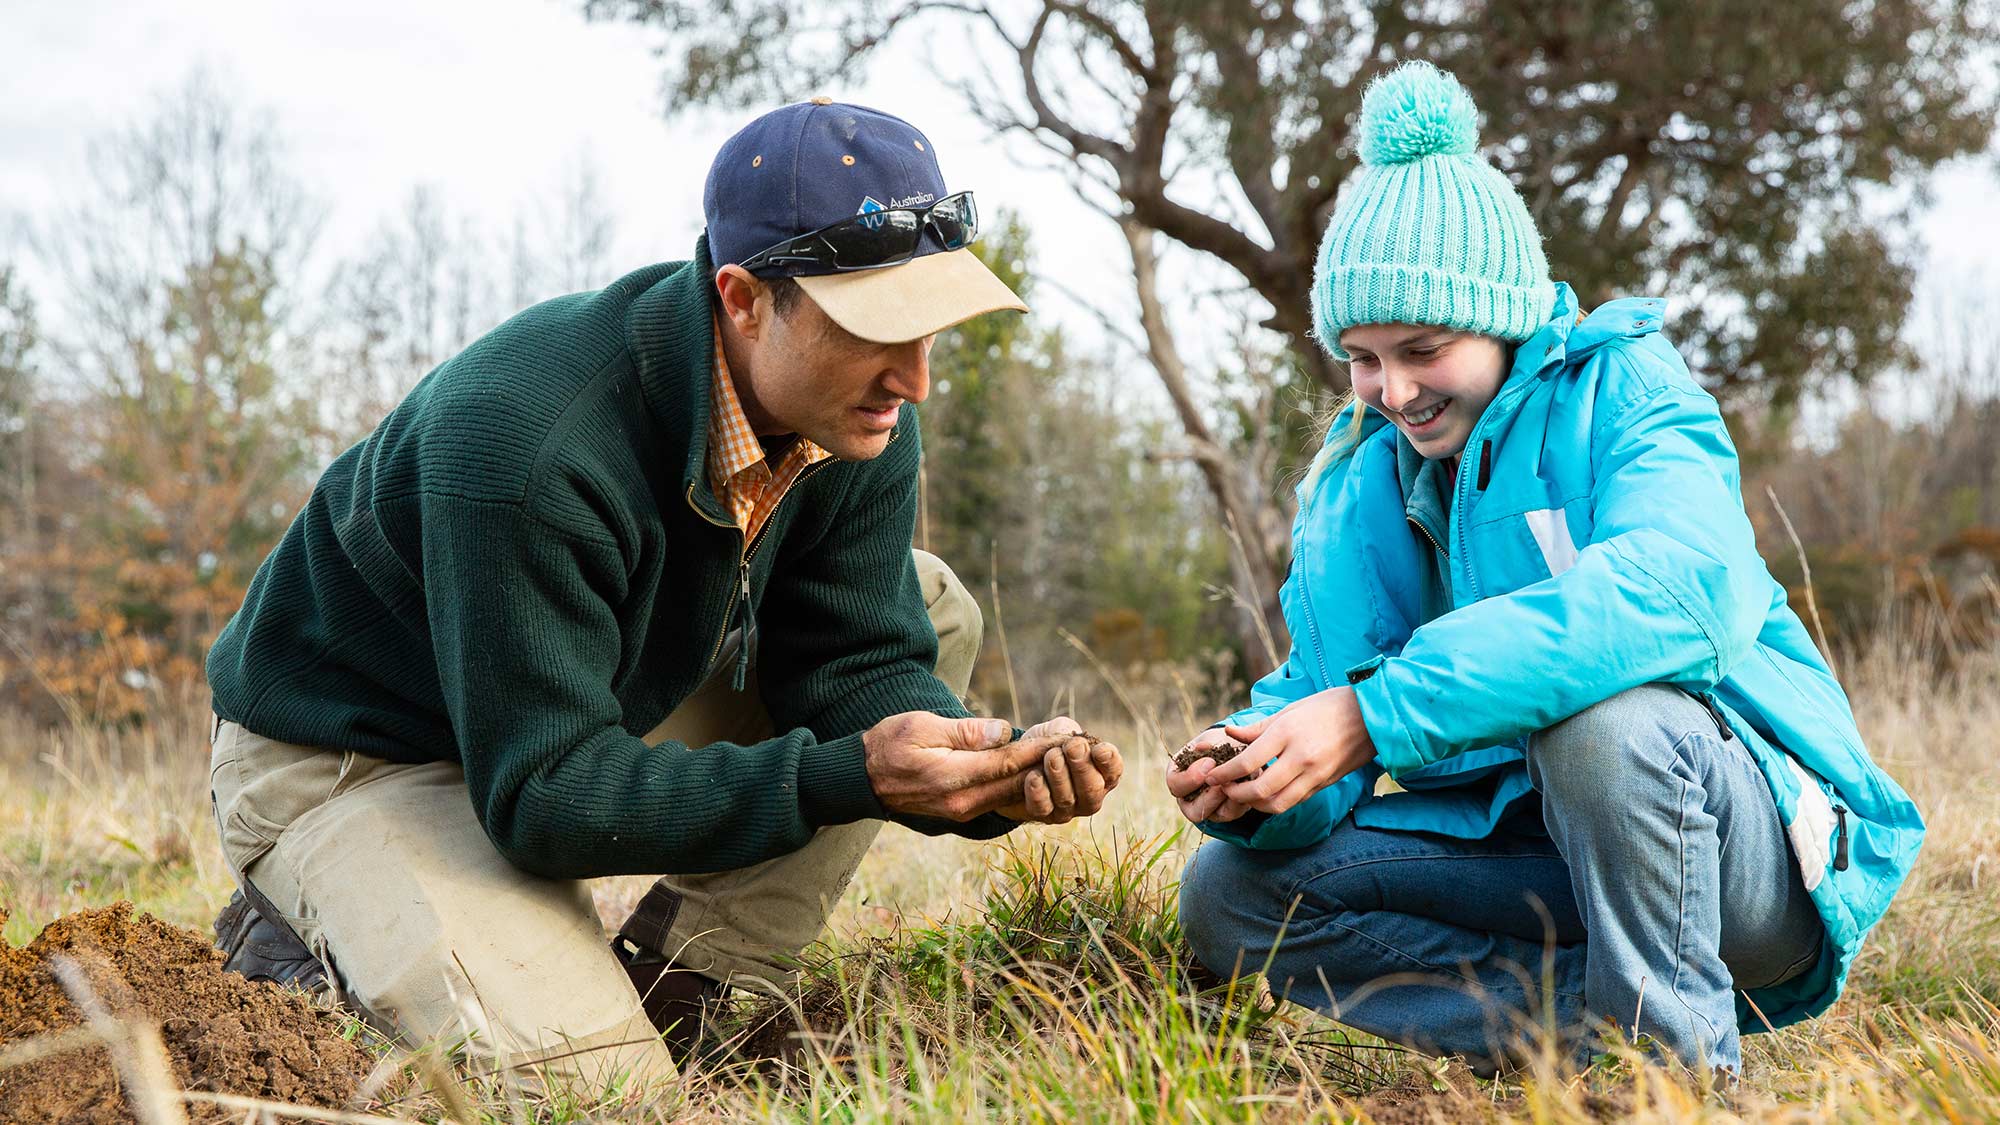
pixel 489 101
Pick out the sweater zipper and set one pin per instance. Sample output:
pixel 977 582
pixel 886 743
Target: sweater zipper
pixel 740 596
pixel 726 609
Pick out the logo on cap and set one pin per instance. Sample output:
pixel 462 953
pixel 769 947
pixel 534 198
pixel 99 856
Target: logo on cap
pixel 872 206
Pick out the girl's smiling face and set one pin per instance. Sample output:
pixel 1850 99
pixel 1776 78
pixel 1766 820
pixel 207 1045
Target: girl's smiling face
pixel 1432 382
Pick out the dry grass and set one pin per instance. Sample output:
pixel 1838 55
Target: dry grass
pixel 1046 983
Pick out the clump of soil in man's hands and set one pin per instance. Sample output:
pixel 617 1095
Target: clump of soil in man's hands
pixel 1189 755
pixel 1062 739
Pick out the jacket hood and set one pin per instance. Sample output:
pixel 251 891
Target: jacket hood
pixel 1568 338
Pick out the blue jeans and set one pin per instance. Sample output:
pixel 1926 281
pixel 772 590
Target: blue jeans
pixel 1664 882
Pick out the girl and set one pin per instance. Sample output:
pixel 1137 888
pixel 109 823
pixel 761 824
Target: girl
pixel 1523 585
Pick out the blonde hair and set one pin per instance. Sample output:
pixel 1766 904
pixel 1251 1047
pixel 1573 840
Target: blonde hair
pixel 1336 446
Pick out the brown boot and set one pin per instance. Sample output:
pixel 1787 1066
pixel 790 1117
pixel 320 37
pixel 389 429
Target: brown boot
pixel 675 998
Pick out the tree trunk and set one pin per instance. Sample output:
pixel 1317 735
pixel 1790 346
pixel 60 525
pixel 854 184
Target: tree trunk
pixel 1257 557
pixel 29 526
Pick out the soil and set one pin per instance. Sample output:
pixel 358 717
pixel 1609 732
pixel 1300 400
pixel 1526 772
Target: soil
pixel 1189 755
pixel 1433 1092
pixel 222 1033
pixel 1088 738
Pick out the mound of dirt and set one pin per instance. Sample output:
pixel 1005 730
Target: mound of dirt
pixel 1189 755
pixel 1433 1092
pixel 222 1032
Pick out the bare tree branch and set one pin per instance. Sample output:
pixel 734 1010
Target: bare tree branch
pixel 1126 51
pixel 1045 116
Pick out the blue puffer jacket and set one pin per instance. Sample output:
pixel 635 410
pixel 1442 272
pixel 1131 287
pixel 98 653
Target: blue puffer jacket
pixel 1597 542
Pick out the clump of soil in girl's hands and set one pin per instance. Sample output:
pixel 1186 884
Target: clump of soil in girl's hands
pixel 1191 754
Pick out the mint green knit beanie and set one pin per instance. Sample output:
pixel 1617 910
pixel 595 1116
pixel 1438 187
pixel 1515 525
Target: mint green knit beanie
pixel 1429 233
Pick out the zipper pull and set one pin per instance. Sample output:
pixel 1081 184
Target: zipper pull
pixel 1715 712
pixel 748 639
pixel 1840 838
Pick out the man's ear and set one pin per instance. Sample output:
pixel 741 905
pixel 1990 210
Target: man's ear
pixel 745 300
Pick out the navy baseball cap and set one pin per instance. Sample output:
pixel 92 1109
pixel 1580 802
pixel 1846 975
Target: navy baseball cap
pixel 810 165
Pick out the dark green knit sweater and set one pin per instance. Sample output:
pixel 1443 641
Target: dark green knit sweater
pixel 524 568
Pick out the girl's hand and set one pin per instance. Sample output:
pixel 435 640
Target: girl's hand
pixel 1302 750
pixel 1197 800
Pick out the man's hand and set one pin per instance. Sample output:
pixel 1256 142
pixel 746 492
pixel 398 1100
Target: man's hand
pixel 1199 801
pixel 1301 750
pixel 1078 772
pixel 957 769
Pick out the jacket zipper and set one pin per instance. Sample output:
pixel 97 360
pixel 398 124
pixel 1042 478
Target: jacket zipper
pixel 1460 504
pixel 1512 390
pixel 1484 471
pixel 1714 710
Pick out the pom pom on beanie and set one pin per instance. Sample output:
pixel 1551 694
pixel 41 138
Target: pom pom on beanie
pixel 1416 111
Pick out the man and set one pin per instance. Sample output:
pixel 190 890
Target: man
pixel 627 587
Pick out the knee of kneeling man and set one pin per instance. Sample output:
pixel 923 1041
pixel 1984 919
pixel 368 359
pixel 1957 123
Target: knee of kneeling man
pixel 955 617
pixel 1608 743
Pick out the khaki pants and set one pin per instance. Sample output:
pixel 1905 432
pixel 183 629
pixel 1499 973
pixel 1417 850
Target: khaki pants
pixel 384 870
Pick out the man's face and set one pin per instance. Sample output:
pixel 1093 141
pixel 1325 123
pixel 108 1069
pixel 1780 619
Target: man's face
pixel 801 373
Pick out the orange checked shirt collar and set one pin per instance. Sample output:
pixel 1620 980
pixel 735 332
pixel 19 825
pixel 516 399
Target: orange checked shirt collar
pixel 748 485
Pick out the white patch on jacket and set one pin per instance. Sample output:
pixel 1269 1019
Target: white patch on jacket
pixel 1812 827
pixel 1551 531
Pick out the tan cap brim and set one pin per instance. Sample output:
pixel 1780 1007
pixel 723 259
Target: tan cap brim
pixel 896 304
